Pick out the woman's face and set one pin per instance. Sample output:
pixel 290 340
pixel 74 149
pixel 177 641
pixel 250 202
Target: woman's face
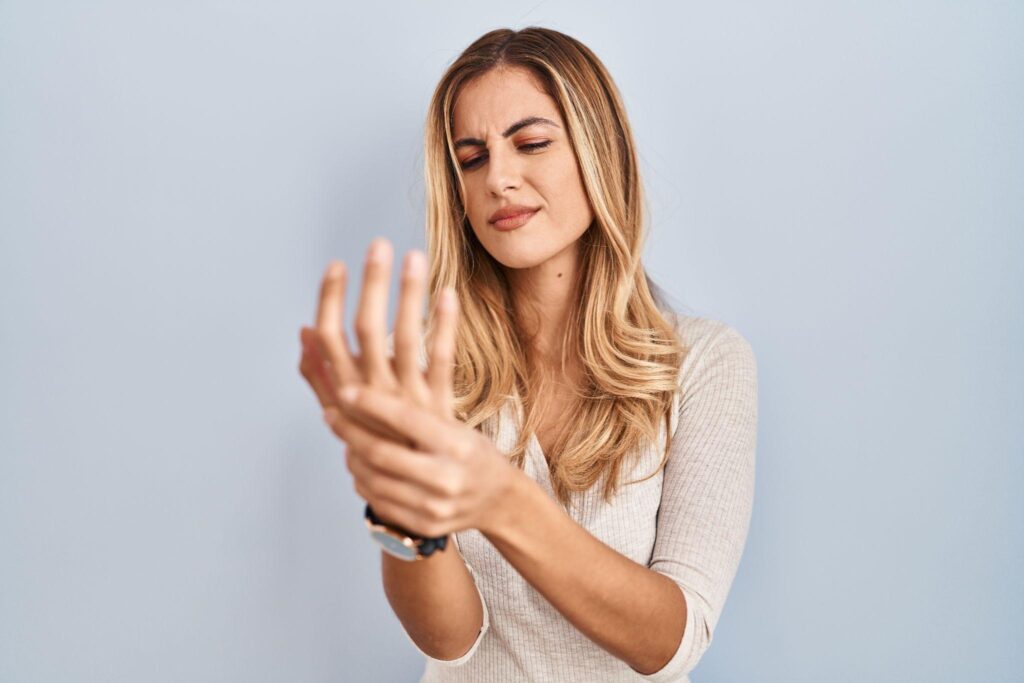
pixel 505 164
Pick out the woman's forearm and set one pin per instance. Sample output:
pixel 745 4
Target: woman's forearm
pixel 436 601
pixel 633 612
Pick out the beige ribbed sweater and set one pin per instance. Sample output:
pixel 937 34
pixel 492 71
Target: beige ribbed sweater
pixel 689 523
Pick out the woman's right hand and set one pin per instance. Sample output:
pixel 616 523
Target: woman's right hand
pixel 329 364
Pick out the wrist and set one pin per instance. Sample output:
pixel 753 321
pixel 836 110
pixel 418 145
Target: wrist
pixel 512 496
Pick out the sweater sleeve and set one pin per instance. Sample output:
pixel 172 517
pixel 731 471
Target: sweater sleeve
pixel 484 628
pixel 708 486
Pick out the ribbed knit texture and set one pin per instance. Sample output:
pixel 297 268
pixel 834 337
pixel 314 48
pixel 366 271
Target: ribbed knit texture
pixel 689 523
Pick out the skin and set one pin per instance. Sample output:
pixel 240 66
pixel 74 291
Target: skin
pixel 421 468
pixel 429 486
pixel 541 257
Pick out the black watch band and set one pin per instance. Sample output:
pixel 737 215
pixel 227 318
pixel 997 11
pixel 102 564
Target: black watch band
pixel 400 542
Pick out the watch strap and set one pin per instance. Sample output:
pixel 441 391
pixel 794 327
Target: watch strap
pixel 424 546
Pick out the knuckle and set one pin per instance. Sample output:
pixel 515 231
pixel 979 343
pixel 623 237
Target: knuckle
pixel 453 484
pixel 375 454
pixel 390 513
pixel 371 486
pixel 387 383
pixel 405 347
pixel 438 509
pixel 463 451
pixel 365 494
pixel 433 529
pixel 418 394
pixel 363 326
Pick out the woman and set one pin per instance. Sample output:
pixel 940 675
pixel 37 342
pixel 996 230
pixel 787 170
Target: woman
pixel 589 452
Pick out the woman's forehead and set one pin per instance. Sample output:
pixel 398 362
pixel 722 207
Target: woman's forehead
pixel 494 102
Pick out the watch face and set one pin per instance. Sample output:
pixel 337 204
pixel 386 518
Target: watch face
pixel 392 546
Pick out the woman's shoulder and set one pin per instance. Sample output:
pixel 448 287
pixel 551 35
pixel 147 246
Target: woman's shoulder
pixel 708 341
pixel 695 329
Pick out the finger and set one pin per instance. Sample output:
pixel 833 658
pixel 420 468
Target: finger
pixel 311 367
pixel 410 520
pixel 425 430
pixel 316 369
pixel 362 488
pixel 363 476
pixel 442 352
pixel 409 328
pixel 360 482
pixel 347 425
pixel 409 483
pixel 329 336
pixel 371 318
pixel 385 457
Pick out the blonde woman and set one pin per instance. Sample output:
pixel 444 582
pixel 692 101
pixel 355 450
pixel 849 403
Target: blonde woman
pixel 569 462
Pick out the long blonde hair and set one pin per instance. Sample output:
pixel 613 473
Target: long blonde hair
pixel 629 352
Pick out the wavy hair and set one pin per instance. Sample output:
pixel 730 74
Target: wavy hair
pixel 629 351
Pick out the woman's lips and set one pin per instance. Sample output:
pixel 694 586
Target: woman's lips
pixel 513 222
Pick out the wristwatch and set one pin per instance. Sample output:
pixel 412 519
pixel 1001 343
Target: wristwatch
pixel 399 542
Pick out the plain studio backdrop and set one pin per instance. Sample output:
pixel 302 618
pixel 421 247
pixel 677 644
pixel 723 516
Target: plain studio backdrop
pixel 842 182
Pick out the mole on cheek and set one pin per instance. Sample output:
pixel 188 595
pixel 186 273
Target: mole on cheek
pixel 559 275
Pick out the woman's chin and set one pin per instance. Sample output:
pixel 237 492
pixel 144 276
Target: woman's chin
pixel 521 256
pixel 522 248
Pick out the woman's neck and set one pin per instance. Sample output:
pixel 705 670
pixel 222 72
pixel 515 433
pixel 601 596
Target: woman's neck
pixel 543 297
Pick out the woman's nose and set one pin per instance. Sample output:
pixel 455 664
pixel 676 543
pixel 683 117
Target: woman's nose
pixel 503 171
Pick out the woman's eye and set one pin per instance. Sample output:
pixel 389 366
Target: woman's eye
pixel 476 161
pixel 536 145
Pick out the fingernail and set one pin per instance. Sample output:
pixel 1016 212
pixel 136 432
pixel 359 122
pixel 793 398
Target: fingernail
pixel 330 415
pixel 375 251
pixel 334 270
pixel 414 264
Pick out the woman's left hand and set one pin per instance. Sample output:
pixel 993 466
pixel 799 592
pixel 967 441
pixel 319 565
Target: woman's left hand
pixel 454 478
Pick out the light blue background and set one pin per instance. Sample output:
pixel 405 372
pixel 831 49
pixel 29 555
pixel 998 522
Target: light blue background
pixel 842 182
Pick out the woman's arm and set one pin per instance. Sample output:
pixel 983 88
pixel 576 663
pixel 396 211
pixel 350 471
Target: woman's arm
pixel 659 618
pixel 436 600
pixel 629 610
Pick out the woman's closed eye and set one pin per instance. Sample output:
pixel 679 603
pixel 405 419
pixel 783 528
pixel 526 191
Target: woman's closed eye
pixel 476 161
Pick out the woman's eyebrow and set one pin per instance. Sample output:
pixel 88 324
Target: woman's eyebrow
pixel 528 121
